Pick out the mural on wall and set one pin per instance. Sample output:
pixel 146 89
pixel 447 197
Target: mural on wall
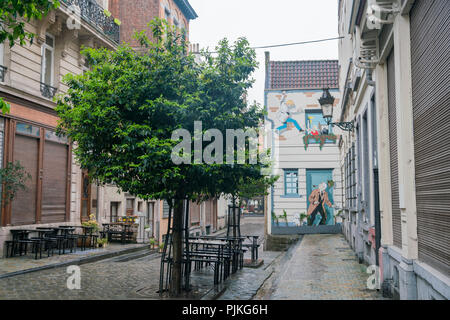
pixel 284 115
pixel 320 197
pixel 317 130
pixel 317 201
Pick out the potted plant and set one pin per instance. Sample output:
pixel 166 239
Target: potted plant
pixel 275 218
pixel 102 242
pixel 152 243
pixel 285 217
pixel 161 247
pixel 94 227
pixel 337 215
pixel 303 218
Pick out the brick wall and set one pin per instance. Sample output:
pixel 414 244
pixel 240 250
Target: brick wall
pixel 135 16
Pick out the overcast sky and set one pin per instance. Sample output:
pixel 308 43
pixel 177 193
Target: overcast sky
pixel 267 22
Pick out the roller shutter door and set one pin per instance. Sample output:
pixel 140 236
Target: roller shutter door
pixel 54 182
pixel 392 113
pixel 430 53
pixel 24 205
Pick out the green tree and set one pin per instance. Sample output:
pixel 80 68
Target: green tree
pixel 13 15
pixel 122 114
pixel 13 177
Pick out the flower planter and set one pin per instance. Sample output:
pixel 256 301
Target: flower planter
pixel 87 243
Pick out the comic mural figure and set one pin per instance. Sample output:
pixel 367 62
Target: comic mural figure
pixel 317 200
pixel 285 112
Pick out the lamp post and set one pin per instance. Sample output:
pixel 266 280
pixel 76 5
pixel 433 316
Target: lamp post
pixel 327 103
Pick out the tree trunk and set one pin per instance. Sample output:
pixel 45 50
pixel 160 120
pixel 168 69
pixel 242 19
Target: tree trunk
pixel 177 245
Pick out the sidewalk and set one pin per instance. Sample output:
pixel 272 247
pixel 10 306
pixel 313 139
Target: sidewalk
pixel 24 264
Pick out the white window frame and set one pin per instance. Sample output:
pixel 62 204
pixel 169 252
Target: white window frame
pixel 43 62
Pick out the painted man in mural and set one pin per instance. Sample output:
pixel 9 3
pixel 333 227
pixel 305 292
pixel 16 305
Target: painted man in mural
pixel 317 200
pixel 284 114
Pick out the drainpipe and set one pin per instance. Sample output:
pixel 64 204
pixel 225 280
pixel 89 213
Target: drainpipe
pixel 370 80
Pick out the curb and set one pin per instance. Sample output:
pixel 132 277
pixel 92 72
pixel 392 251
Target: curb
pixel 77 262
pixel 214 293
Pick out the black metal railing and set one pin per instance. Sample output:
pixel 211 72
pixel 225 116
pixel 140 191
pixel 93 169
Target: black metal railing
pixel 2 73
pixel 48 91
pixel 95 16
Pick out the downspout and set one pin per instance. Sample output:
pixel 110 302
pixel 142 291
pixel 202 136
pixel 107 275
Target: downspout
pixel 266 86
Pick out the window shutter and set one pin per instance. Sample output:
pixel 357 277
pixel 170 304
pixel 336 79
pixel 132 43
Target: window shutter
pixel 430 47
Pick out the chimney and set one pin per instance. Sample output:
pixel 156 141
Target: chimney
pixel 267 54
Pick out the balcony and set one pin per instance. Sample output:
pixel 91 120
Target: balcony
pixel 95 16
pixel 48 91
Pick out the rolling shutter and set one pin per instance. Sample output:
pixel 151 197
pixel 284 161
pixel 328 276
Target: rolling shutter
pixel 430 54
pixel 24 205
pixel 54 182
pixel 392 114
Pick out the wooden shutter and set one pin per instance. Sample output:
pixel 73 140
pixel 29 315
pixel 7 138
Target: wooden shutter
pixel 392 113
pixel 430 47
pixel 54 182
pixel 26 151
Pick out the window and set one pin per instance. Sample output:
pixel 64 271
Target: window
pixel 291 182
pixel 2 67
pixel 114 211
pixel 1 53
pixel 165 209
pixel 130 206
pixel 316 124
pixel 350 178
pixel 47 64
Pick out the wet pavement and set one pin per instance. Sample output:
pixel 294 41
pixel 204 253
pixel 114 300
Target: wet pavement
pixel 317 267
pixel 131 276
pixel 320 267
pixel 19 264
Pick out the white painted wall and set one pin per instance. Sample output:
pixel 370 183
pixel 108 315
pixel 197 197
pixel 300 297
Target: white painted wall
pixel 291 154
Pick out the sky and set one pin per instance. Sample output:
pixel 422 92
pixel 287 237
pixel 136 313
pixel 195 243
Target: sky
pixel 268 22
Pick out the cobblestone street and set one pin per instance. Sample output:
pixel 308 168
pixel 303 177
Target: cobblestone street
pixel 320 267
pixel 122 277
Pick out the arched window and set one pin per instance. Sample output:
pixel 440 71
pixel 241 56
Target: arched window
pixel 166 8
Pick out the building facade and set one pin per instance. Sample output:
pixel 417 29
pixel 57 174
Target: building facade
pixel 394 73
pixel 30 77
pixel 304 147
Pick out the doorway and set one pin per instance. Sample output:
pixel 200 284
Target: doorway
pixel 314 178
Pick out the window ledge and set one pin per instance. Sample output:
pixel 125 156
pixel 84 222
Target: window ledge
pixel 291 196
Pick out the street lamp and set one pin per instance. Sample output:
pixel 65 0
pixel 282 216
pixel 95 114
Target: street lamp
pixel 326 103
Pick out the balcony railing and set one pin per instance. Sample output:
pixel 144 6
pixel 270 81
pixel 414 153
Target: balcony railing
pixel 96 17
pixel 48 91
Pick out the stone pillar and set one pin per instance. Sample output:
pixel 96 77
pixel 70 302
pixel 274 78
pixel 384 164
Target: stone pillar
pixel 408 282
pixel 406 163
pixel 405 137
pixel 384 156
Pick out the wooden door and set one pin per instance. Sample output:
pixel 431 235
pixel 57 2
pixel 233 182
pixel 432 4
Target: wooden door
pixel 85 196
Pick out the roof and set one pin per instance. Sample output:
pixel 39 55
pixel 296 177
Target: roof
pixel 310 74
pixel 187 9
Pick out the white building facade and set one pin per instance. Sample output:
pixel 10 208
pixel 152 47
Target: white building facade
pixel 305 153
pixel 394 76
